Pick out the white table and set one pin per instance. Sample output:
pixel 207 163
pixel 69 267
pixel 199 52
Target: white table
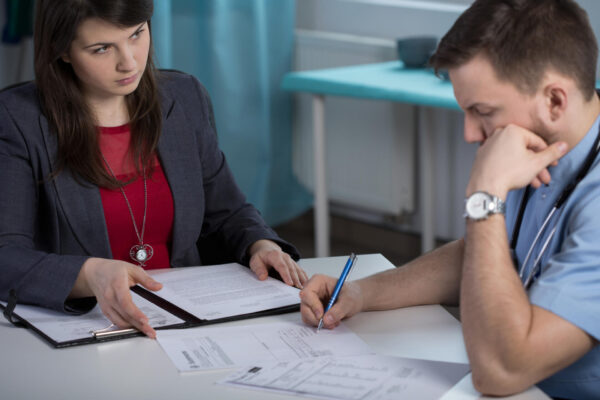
pixel 137 368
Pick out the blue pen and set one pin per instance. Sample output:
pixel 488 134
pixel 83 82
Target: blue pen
pixel 338 286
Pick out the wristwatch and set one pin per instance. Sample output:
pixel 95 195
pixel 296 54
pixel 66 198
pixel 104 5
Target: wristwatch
pixel 481 205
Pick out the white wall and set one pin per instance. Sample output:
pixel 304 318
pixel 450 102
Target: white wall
pixel 357 130
pixel 389 19
pixel 394 18
pixel 384 19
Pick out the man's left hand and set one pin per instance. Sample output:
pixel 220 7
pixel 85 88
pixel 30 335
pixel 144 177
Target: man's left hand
pixel 512 158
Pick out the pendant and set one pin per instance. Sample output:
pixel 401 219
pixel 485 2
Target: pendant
pixel 141 253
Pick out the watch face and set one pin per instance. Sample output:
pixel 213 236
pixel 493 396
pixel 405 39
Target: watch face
pixel 478 205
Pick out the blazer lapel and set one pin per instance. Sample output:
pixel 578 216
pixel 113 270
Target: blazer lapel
pixel 175 150
pixel 80 202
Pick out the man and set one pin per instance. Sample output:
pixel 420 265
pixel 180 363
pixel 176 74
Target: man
pixel 523 71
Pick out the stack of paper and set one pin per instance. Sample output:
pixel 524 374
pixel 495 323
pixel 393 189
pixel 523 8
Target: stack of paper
pixel 369 377
pixel 236 346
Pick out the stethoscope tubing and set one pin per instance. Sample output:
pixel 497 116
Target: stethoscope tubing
pixel 562 198
pixel 536 263
pixel 537 237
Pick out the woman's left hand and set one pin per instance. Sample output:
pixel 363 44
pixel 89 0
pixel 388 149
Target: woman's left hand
pixel 265 254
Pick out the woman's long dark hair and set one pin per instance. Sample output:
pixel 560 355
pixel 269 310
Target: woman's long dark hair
pixel 61 98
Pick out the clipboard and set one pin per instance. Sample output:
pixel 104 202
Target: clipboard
pixel 47 323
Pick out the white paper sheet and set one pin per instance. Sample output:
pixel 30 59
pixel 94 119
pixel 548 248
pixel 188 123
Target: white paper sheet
pixel 221 291
pixel 227 347
pixel 64 327
pixel 368 377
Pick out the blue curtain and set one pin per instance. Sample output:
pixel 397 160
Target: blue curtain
pixel 240 50
pixel 19 20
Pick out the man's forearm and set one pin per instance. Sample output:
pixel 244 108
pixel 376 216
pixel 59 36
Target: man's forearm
pixel 495 311
pixel 430 279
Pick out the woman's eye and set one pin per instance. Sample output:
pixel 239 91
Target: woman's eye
pixel 101 50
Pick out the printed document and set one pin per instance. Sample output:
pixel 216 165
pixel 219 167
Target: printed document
pixel 367 377
pixel 190 296
pixel 233 346
pixel 221 291
pixel 63 327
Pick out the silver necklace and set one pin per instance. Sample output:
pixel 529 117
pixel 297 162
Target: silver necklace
pixel 141 252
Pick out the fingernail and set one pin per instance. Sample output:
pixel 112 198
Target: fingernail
pixel 562 147
pixel 329 319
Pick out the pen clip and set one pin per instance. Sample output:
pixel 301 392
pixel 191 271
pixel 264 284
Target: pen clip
pixel 354 257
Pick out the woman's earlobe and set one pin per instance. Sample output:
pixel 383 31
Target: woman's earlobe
pixel 65 57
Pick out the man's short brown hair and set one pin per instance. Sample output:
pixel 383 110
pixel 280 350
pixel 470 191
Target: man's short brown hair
pixel 523 39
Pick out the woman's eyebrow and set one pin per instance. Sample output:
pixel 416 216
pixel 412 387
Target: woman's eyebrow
pixel 109 43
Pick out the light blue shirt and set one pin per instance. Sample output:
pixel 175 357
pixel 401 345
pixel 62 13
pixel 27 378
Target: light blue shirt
pixel 568 284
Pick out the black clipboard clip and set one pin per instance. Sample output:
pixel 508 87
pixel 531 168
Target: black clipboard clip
pixel 10 309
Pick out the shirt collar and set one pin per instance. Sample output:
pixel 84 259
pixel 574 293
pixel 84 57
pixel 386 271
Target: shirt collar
pixel 569 165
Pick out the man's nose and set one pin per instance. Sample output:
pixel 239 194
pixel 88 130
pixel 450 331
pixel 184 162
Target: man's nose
pixel 473 130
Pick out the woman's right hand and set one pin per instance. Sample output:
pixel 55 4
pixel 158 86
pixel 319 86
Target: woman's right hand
pixel 109 281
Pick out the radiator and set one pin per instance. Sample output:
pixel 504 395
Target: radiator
pixel 370 145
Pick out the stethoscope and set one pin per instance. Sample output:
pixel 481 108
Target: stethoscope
pixel 556 208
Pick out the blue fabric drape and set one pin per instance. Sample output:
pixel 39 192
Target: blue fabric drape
pixel 19 20
pixel 240 50
pixel 162 33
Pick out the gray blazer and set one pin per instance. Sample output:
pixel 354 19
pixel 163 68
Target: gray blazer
pixel 50 227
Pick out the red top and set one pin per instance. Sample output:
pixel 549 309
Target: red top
pixel 114 143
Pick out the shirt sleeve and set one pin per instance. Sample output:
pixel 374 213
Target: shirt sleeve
pixel 569 285
pixel 38 277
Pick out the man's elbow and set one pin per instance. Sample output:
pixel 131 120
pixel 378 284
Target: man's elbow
pixel 497 381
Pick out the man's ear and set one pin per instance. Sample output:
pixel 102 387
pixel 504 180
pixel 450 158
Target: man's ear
pixel 555 101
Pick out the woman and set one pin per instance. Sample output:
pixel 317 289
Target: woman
pixel 110 167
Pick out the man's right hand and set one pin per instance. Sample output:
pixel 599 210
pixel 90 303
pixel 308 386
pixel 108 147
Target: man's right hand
pixel 317 292
pixel 109 281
